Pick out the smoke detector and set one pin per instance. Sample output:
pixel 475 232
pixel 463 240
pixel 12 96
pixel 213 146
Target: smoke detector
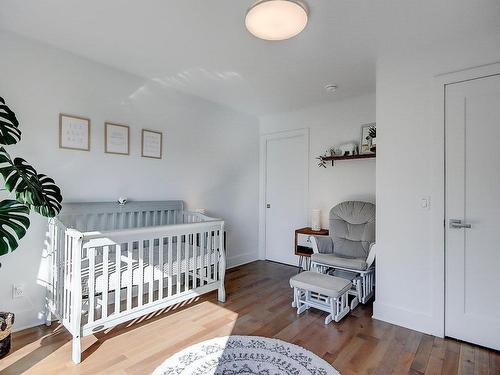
pixel 331 88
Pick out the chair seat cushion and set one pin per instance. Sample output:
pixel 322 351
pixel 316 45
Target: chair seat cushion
pixel 336 261
pixel 327 285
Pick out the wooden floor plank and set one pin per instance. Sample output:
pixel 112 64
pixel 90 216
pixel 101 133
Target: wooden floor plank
pixel 423 354
pixel 259 303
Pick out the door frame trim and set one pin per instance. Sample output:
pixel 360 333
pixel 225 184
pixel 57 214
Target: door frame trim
pixel 438 213
pixel 264 138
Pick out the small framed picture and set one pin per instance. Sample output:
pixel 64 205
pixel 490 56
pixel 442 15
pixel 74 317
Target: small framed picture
pixel 116 139
pixel 368 139
pixel 74 132
pixel 152 144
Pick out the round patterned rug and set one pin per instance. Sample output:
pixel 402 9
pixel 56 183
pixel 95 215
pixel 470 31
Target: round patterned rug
pixel 245 355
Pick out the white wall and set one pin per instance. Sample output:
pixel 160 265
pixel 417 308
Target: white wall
pixel 330 125
pixel 210 152
pixel 410 240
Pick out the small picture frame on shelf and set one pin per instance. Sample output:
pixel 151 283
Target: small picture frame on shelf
pixel 152 144
pixel 116 139
pixel 368 139
pixel 74 132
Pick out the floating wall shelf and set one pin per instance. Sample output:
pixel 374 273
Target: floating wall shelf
pixel 342 157
pixel 345 157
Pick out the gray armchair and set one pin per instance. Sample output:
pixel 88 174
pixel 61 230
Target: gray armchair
pixel 351 238
pixel 349 249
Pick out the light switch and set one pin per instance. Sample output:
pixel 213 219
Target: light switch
pixel 425 202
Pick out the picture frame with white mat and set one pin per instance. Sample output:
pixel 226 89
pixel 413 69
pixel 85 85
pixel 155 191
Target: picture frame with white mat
pixel 116 139
pixel 151 144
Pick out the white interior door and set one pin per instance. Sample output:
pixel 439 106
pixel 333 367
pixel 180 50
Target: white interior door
pixel 286 193
pixel 473 198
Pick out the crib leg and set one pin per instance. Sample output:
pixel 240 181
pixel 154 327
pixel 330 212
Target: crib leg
pixel 221 293
pixel 48 318
pixel 77 350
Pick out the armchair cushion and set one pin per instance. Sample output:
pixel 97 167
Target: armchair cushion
pixel 352 228
pixel 336 261
pixel 324 244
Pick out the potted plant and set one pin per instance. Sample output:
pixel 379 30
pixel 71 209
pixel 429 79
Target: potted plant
pixel 29 190
pixel 372 135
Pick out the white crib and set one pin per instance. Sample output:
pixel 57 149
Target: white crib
pixel 111 263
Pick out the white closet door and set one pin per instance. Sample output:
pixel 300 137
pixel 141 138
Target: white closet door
pixel 286 194
pixel 473 199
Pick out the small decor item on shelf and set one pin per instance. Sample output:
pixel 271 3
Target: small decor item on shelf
pixel 316 219
pixel 6 322
pixel 373 136
pixel 368 139
pixel 348 149
pixel 322 161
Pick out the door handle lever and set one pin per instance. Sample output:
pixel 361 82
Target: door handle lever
pixel 458 224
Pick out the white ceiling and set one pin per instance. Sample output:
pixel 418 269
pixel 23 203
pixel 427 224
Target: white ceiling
pixel 202 47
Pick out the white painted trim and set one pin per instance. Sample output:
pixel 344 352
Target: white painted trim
pixel 438 188
pixel 242 259
pixel 405 318
pixel 264 138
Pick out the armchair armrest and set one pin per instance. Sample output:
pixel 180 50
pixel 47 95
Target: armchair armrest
pixel 371 255
pixel 322 244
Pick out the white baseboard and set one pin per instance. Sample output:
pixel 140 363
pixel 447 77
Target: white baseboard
pixel 16 328
pixel 239 260
pixel 416 321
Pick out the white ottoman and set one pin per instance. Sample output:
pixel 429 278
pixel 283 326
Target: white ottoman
pixel 323 292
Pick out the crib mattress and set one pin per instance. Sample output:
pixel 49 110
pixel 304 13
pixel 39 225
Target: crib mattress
pixel 158 271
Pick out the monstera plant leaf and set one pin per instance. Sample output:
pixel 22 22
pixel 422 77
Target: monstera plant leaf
pixel 9 131
pixel 13 224
pixel 22 178
pixel 51 195
pixel 37 191
pixel 33 191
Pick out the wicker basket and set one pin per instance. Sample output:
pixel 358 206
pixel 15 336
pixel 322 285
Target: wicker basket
pixel 6 322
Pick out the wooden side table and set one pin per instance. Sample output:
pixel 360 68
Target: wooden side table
pixel 303 246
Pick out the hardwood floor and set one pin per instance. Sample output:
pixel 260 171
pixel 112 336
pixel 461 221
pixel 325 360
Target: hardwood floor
pixel 259 299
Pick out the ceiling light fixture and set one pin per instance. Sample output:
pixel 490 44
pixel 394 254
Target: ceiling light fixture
pixel 331 88
pixel 276 19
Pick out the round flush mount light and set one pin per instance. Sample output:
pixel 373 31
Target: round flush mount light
pixel 276 19
pixel 331 88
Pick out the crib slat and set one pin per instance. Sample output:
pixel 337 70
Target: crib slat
pixel 91 283
pixel 216 255
pixel 201 271
pixel 169 269
pixel 160 266
pixel 209 255
pixel 118 254
pixel 60 271
pixel 67 246
pixel 195 259
pixel 140 293
pixel 68 278
pixel 105 279
pixel 187 246
pixel 152 268
pixel 130 275
pixel 178 279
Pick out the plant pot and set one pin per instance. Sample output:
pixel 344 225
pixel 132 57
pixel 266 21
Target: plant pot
pixel 6 322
